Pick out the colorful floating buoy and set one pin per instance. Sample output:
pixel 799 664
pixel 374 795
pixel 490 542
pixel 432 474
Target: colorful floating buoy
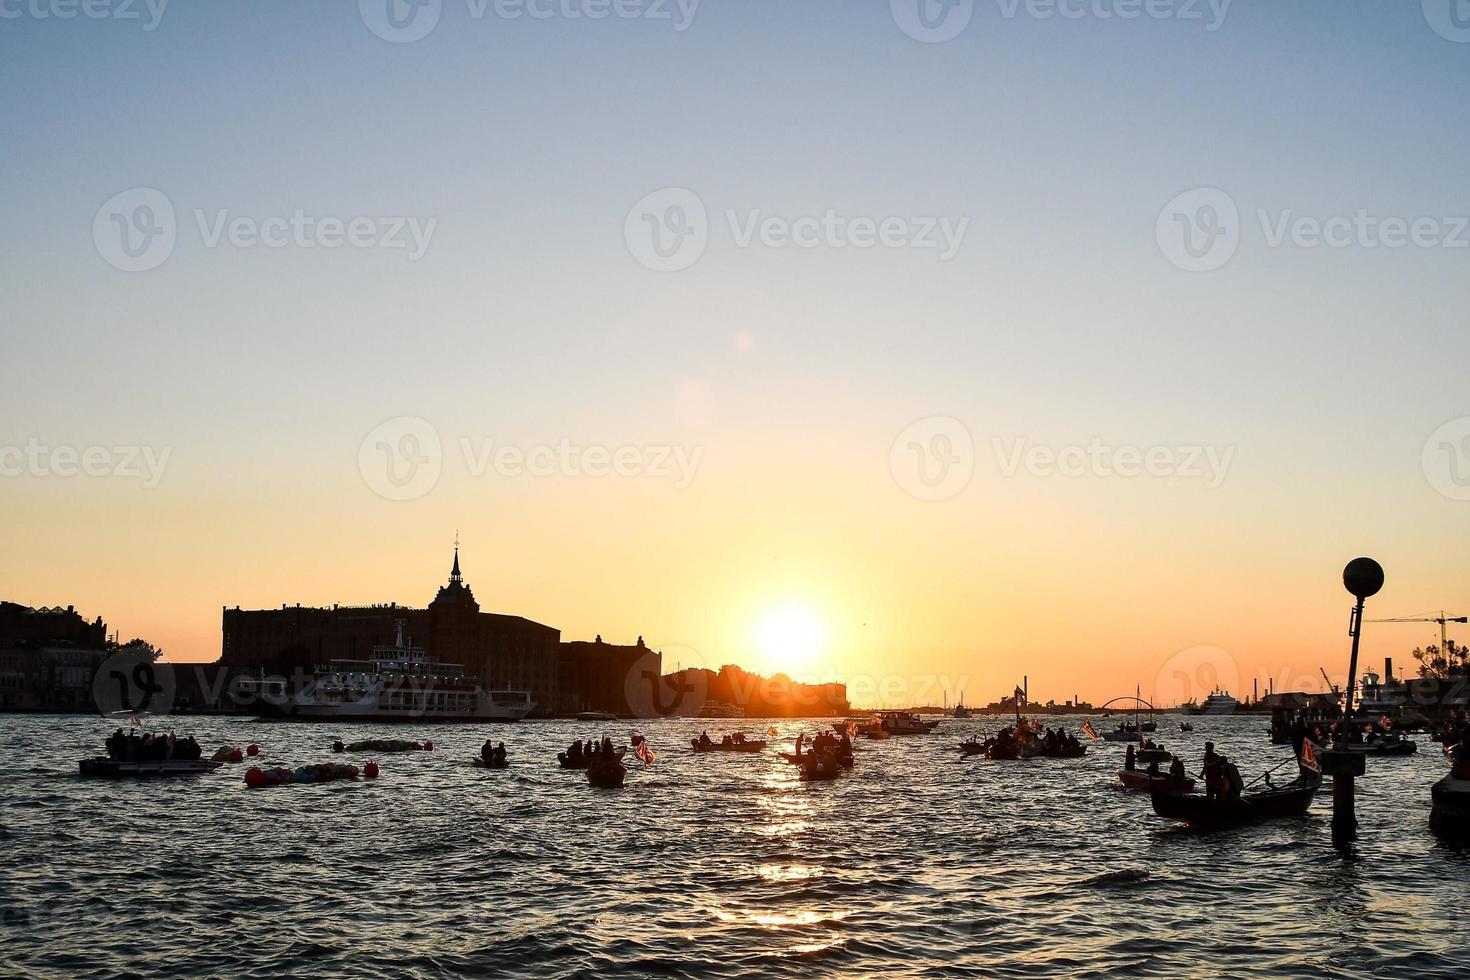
pixel 252 749
pixel 236 755
pixel 428 746
pixel 255 777
pixel 370 770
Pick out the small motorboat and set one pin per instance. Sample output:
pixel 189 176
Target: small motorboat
pixel 1381 747
pixel 596 716
pixel 484 763
pixel 753 745
pixel 845 761
pixel 1449 816
pixel 1146 756
pixel 1185 726
pixel 876 732
pixel 607 774
pixel 1290 800
pixel 101 767
pixel 1139 779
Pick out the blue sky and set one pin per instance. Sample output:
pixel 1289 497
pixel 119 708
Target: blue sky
pixel 527 141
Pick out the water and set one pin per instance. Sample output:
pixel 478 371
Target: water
pixel 913 864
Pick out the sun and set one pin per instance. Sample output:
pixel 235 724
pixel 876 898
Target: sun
pixel 790 638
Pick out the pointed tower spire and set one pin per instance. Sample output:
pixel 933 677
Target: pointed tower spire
pixel 454 575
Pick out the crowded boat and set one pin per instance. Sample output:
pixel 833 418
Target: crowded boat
pixel 1031 740
pixel 737 742
pixel 133 754
pixel 582 754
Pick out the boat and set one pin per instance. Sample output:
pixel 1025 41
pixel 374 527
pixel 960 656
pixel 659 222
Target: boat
pixel 1218 703
pixel 583 762
pixel 1146 756
pixel 1384 746
pixel 101 767
pixel 496 764
pixel 607 774
pixel 1140 779
pixel 819 767
pixel 1290 800
pixel 960 711
pixel 400 682
pixel 596 716
pixel 1185 726
pixel 1449 814
pixel 753 745
pixel 905 723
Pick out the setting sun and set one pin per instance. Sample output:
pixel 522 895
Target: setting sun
pixel 790 638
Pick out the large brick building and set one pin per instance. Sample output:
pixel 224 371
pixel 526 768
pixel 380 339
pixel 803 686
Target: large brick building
pixel 500 650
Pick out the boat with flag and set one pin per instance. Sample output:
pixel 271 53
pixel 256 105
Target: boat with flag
pixel 1204 812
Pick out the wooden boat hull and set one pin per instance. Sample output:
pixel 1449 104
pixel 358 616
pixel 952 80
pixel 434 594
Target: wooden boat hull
pixel 607 776
pixel 1137 779
pixel 100 767
pixel 585 761
pixel 497 764
pixel 734 747
pixel 1291 800
pixel 1449 816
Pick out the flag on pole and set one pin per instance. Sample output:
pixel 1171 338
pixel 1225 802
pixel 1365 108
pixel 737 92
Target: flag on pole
pixel 1020 694
pixel 852 729
pixel 644 752
pixel 1089 731
pixel 1309 757
pixel 134 720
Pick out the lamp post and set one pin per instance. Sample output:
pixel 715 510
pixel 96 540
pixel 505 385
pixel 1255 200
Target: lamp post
pixel 1363 577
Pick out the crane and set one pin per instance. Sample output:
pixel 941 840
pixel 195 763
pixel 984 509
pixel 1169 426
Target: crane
pixel 1441 619
pixel 1330 686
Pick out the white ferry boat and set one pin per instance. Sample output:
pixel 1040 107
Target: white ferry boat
pixel 400 683
pixel 1218 703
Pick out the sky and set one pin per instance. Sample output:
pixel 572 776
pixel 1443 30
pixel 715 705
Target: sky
pixel 919 347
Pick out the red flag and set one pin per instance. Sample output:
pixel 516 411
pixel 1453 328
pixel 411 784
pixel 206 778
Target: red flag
pixel 1089 731
pixel 852 729
pixel 644 752
pixel 1309 757
pixel 133 719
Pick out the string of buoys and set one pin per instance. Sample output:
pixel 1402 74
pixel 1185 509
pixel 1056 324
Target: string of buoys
pixel 228 753
pixel 326 772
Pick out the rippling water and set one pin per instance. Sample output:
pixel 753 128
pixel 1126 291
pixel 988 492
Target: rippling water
pixel 914 864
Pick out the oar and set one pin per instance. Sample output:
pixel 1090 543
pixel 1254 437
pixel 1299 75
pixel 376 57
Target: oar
pixel 1268 772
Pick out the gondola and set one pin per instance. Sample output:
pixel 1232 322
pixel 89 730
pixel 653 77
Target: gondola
pixel 1381 747
pixel 1449 816
pixel 1139 779
pixel 101 767
pixel 748 746
pixel 604 774
pixel 1290 800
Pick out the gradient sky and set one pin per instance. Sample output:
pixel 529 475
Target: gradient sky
pixel 529 322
